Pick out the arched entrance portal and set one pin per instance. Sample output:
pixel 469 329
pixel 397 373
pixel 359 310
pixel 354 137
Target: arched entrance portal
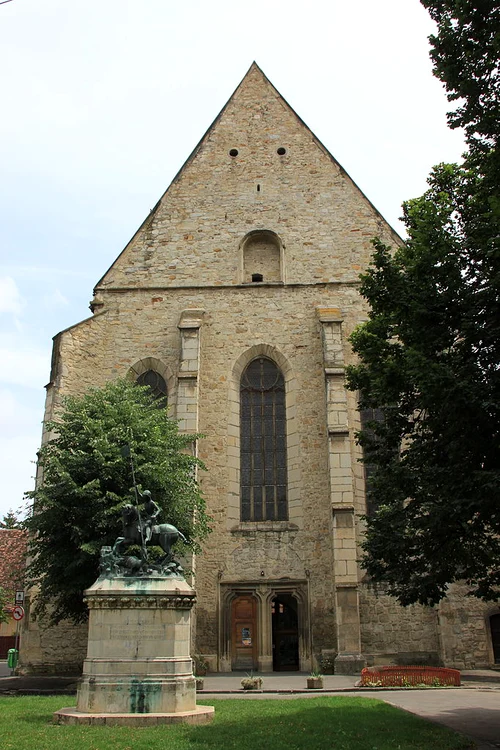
pixel 285 633
pixel 264 626
pixel 495 637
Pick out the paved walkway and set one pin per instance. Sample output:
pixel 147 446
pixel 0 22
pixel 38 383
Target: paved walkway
pixel 473 709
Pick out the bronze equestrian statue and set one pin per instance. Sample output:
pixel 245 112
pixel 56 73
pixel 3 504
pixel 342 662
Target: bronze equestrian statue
pixel 141 529
pixel 163 535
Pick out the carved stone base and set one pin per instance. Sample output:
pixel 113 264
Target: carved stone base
pixel 138 668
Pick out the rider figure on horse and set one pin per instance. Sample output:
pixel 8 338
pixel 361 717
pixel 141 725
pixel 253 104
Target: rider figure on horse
pixel 151 512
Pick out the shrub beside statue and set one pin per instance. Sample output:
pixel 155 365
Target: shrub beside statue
pixel 107 447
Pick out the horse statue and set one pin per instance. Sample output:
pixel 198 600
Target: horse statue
pixel 140 529
pixel 163 535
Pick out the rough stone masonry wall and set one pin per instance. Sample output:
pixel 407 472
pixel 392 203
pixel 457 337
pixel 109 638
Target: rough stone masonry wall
pixel 465 630
pixel 51 650
pixel 142 326
pixel 391 634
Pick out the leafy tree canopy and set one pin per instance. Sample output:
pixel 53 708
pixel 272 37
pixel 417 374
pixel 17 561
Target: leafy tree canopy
pixel 429 355
pixel 87 479
pixel 465 52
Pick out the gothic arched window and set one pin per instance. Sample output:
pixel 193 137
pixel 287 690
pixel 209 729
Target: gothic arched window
pixel 157 385
pixel 263 442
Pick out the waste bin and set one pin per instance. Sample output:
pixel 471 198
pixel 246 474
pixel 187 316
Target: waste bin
pixel 12 656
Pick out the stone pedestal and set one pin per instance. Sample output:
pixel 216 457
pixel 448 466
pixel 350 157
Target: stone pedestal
pixel 138 669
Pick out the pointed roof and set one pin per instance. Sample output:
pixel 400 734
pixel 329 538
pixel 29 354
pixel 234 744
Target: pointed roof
pixel 254 68
pixel 254 72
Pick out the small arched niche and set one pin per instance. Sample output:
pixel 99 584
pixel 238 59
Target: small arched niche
pixel 262 257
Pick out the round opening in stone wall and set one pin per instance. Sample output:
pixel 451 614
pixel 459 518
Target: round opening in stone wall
pixel 281 151
pixel 233 152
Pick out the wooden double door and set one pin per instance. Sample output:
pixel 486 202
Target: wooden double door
pixel 283 617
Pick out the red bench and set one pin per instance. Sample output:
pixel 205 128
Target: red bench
pixel 393 676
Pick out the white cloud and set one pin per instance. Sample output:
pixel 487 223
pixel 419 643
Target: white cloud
pixel 55 300
pixel 10 297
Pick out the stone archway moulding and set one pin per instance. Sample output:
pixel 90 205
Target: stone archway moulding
pixel 263 235
pixel 152 363
pixel 263 592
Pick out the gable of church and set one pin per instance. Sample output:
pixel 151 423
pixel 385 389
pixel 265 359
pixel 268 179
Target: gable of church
pixel 257 169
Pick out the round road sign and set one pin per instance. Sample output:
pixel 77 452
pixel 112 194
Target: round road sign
pixel 18 613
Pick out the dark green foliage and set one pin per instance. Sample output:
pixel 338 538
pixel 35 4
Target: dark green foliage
pixel 430 352
pixel 436 453
pixel 10 521
pixel 87 479
pixel 465 53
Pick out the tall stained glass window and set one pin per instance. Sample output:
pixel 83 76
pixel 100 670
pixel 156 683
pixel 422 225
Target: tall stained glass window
pixel 263 442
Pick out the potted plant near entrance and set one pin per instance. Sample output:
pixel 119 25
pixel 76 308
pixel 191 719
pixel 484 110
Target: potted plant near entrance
pixel 315 681
pixel 251 682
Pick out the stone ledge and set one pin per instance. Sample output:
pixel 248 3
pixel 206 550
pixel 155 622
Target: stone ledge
pixel 191 318
pixel 334 371
pixel 185 601
pixel 329 314
pixel 266 526
pixel 200 715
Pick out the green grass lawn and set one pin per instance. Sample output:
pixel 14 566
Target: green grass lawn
pixel 330 723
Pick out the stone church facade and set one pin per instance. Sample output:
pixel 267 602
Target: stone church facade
pixel 237 295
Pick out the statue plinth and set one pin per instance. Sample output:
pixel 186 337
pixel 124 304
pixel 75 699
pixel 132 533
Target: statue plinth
pixel 138 669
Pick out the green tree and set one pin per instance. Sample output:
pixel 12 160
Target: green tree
pixel 465 52
pixel 87 479
pixel 10 521
pixel 429 355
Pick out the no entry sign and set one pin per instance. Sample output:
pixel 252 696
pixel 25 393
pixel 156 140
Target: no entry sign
pixel 18 613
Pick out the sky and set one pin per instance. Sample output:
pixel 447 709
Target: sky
pixel 102 102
